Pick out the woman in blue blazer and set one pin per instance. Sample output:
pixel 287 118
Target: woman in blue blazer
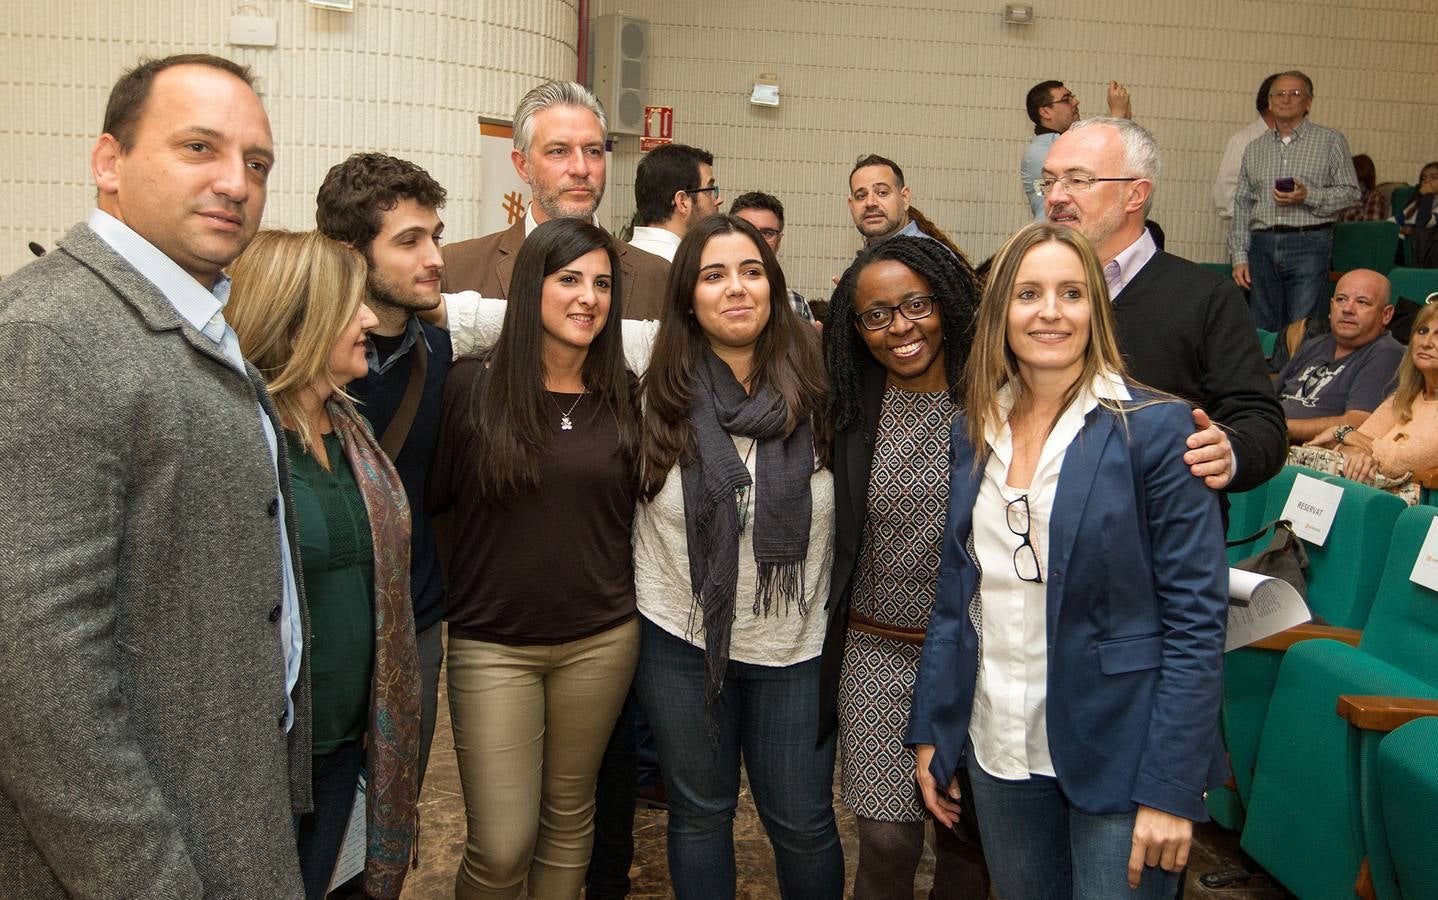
pixel 1073 659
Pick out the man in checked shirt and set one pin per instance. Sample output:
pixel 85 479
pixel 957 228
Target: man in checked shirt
pixel 1293 183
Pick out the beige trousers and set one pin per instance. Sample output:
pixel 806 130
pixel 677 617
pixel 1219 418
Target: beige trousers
pixel 530 727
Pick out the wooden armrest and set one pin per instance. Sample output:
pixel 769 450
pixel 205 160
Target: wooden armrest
pixel 1307 632
pixel 1427 477
pixel 1383 713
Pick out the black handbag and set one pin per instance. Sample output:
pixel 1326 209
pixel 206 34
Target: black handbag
pixel 1284 557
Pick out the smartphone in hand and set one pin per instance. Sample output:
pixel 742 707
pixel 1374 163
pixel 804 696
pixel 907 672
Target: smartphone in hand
pixel 1285 185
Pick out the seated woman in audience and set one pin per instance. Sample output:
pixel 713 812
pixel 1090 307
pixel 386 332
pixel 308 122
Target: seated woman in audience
pixel 296 304
pixel 731 560
pixel 1419 211
pixel 1401 437
pixel 902 323
pixel 1074 656
pixel 1373 206
pixel 538 460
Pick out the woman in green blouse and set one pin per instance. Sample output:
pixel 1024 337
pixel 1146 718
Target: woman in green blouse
pixel 297 306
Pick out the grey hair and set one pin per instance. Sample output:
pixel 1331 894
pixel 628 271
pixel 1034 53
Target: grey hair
pixel 552 93
pixel 1140 150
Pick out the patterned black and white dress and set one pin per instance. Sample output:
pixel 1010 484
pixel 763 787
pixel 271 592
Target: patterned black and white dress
pixel 894 582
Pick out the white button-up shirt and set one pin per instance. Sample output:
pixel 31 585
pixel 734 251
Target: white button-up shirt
pixel 1009 722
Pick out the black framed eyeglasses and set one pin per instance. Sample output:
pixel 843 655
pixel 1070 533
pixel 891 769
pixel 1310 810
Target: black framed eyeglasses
pixel 877 318
pixel 1026 557
pixel 1066 98
pixel 704 190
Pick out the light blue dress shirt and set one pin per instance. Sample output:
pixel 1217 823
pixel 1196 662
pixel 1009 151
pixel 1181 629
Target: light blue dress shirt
pixel 1032 169
pixel 198 306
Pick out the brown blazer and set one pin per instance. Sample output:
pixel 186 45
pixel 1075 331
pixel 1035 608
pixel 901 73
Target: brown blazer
pixel 485 265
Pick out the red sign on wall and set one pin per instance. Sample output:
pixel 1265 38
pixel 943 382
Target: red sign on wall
pixel 658 127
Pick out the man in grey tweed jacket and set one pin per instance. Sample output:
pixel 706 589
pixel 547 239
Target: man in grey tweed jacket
pixel 154 717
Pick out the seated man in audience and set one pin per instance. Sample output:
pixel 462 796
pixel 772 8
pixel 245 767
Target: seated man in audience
pixel 1341 377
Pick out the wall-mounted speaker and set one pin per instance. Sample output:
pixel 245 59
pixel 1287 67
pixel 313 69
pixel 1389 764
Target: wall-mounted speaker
pixel 620 53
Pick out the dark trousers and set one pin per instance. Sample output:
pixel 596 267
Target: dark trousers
pixel 431 654
pixel 607 877
pixel 320 833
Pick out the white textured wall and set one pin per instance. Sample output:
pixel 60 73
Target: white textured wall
pixel 938 85
pixel 406 77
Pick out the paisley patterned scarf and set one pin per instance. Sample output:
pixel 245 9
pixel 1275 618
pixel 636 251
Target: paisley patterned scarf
pixel 392 751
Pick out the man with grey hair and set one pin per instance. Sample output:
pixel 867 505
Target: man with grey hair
pixel 1181 328
pixel 1294 181
pixel 559 134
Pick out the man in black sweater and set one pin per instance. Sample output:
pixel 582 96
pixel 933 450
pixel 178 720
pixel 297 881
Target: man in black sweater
pixel 1181 328
pixel 388 209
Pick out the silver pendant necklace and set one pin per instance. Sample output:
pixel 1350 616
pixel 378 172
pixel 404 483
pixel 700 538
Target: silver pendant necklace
pixel 566 423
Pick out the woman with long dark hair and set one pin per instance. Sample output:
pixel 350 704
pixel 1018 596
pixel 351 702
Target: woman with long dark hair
pixel 731 557
pixel 900 327
pixel 297 305
pixel 1074 656
pixel 537 458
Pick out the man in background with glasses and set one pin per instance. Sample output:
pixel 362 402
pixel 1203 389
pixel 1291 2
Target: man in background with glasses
pixel 1226 184
pixel 766 213
pixel 674 188
pixel 1293 183
pixel 1181 328
pixel 1053 108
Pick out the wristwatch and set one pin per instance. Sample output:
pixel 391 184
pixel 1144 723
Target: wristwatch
pixel 1341 432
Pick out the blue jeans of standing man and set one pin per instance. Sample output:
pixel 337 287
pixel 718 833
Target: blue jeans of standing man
pixel 769 715
pixel 1290 275
pixel 1038 847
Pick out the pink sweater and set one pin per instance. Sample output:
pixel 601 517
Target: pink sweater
pixel 1408 446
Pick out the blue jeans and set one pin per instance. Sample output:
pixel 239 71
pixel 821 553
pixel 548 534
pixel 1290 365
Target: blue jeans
pixel 1290 275
pixel 1039 847
pixel 770 716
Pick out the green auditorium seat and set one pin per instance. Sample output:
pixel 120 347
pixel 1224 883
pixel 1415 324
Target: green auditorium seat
pixel 1267 342
pixel 1400 197
pixel 1364 245
pixel 1305 812
pixel 1342 577
pixel 1245 516
pixel 1415 284
pixel 1403 846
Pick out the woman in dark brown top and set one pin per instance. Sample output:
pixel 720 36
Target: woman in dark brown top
pixel 536 459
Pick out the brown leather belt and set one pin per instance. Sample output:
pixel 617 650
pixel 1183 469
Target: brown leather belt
pixel 860 622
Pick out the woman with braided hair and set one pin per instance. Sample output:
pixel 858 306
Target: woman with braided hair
pixel 899 333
